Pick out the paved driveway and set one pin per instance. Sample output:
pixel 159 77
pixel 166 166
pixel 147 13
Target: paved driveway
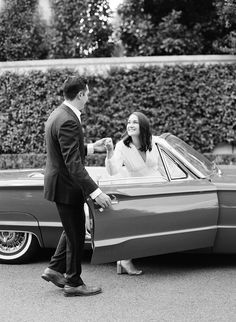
pixel 177 287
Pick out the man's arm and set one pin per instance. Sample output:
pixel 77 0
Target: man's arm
pixel 96 147
pixel 68 139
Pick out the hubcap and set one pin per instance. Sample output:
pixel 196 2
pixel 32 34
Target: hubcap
pixel 11 242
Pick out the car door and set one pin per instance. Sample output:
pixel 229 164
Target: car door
pixel 152 216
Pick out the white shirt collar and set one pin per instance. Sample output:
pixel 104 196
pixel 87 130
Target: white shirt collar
pixel 74 109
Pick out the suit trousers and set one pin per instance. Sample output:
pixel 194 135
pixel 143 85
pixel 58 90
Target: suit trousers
pixel 68 255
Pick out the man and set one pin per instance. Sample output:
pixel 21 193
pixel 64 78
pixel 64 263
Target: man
pixel 68 184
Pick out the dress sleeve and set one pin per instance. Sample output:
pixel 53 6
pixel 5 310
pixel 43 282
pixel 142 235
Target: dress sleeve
pixel 154 138
pixel 115 163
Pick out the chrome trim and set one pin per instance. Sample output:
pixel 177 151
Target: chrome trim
pixel 59 224
pixel 188 165
pixel 21 170
pixel 22 183
pixel 163 161
pixel 181 166
pixel 227 226
pixel 114 241
pixel 22 223
pixel 50 224
pixel 31 224
pixel 132 180
pixel 19 231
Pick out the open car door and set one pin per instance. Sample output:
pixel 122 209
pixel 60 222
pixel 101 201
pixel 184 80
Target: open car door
pixel 152 216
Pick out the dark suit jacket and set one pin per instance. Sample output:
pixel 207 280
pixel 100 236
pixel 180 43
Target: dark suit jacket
pixel 66 180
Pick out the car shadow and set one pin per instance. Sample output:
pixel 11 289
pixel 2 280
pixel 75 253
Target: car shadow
pixel 45 254
pixel 186 262
pixel 167 262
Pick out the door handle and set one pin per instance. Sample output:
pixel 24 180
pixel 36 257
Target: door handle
pixel 114 201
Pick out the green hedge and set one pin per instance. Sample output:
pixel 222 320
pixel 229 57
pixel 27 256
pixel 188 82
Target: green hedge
pixel 31 161
pixel 196 103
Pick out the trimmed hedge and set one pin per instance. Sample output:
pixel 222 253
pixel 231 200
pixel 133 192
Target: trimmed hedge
pixel 196 103
pixel 31 161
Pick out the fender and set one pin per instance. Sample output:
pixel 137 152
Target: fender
pixel 18 221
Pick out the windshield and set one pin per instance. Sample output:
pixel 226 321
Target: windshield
pixel 199 161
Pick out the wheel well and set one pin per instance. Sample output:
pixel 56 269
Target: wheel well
pixel 17 247
pixel 21 222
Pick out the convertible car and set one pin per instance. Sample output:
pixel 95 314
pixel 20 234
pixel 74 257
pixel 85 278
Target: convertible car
pixel 190 206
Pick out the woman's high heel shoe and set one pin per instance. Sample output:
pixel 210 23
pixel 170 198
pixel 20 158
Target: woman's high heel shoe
pixel 127 268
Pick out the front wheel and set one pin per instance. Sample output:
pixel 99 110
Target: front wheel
pixel 17 247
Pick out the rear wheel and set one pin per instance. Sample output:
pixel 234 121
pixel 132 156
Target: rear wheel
pixel 17 247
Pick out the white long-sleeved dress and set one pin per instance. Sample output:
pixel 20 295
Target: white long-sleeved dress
pixel 133 161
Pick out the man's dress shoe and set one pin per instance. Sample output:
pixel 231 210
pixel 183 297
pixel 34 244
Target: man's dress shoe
pixel 82 290
pixel 55 277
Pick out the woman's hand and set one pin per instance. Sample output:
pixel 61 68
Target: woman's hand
pixel 109 145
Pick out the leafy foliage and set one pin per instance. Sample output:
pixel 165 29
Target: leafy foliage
pixel 22 32
pixel 80 29
pixel 226 10
pixel 196 103
pixel 163 27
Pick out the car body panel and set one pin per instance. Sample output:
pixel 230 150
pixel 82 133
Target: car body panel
pixel 17 221
pixel 225 241
pixel 23 207
pixel 149 215
pixel 27 210
pixel 145 220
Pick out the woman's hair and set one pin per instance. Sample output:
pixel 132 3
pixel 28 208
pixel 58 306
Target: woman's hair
pixel 145 136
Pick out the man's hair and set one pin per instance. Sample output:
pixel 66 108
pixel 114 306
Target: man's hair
pixel 145 133
pixel 73 85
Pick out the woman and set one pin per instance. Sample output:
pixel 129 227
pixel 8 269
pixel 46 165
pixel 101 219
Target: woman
pixel 139 154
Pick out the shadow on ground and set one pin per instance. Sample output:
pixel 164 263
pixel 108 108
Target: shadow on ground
pixel 176 260
pixel 45 254
pixel 187 261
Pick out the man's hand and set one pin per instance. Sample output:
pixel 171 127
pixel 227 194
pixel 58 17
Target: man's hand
pixel 99 145
pixel 103 200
